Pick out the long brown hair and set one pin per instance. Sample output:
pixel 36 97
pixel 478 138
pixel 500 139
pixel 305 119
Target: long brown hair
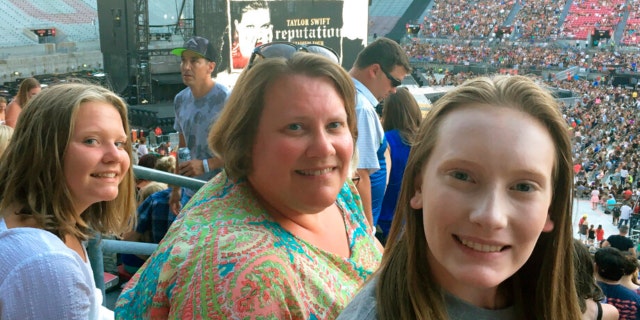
pixel 401 112
pixel 23 91
pixel 586 286
pixel 543 288
pixel 32 168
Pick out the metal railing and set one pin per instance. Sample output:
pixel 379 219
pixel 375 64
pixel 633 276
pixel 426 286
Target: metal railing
pixel 97 246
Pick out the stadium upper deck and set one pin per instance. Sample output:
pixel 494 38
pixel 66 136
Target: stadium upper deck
pixel 74 20
pixel 77 20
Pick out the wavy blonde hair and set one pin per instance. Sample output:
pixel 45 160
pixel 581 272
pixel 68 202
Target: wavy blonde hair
pixel 544 287
pixel 32 169
pixel 23 91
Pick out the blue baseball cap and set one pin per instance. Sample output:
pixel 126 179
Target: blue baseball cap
pixel 199 45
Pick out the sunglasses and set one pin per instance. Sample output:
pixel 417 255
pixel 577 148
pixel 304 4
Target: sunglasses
pixel 287 49
pixel 394 82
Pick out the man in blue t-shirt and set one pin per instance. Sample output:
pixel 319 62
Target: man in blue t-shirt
pixel 197 107
pixel 610 264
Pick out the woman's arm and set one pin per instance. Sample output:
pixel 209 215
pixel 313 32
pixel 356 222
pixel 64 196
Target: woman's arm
pixel 12 112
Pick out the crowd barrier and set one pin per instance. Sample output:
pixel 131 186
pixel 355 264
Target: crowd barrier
pixel 97 246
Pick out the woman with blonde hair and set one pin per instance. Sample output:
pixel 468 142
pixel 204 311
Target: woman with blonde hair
pixel 77 181
pixel 280 232
pixel 29 87
pixel 483 224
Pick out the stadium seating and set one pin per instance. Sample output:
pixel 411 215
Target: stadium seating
pixel 538 19
pixel 584 16
pixel 466 20
pixel 631 35
pixel 383 15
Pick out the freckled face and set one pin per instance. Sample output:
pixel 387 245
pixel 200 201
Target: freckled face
pixel 485 196
pixel 96 160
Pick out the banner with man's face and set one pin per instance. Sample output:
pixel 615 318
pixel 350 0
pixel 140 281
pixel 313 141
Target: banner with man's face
pixel 338 24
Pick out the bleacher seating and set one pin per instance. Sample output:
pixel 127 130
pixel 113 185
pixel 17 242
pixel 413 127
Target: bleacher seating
pixel 74 20
pixel 631 35
pixel 10 23
pixel 383 15
pixel 77 20
pixel 538 18
pixel 586 15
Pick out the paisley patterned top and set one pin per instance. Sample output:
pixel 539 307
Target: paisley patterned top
pixel 225 258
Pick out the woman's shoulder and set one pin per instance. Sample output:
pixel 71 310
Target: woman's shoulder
pixel 26 241
pixel 13 102
pixel 363 305
pixel 224 200
pixel 36 253
pixel 609 312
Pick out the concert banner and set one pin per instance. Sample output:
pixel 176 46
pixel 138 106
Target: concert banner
pixel 340 25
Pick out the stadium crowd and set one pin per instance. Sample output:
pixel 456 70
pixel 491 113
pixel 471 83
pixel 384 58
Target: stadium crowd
pixel 532 20
pixel 522 57
pixel 538 19
pixel 465 20
pixel 602 117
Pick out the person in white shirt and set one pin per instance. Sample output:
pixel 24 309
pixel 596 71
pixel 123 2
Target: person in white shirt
pixel 142 147
pixel 78 181
pixel 625 214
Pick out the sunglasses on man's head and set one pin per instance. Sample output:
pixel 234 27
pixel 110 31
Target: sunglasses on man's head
pixel 287 49
pixel 394 82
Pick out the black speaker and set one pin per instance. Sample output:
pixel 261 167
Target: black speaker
pixel 117 40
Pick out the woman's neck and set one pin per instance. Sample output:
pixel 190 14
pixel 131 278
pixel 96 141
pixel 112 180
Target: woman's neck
pixel 13 219
pixel 325 229
pixel 626 281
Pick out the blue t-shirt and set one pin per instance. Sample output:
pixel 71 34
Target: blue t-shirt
pixel 194 119
pixel 625 300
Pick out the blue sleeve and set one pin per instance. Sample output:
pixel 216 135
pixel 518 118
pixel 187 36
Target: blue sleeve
pixel 369 139
pixel 145 213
